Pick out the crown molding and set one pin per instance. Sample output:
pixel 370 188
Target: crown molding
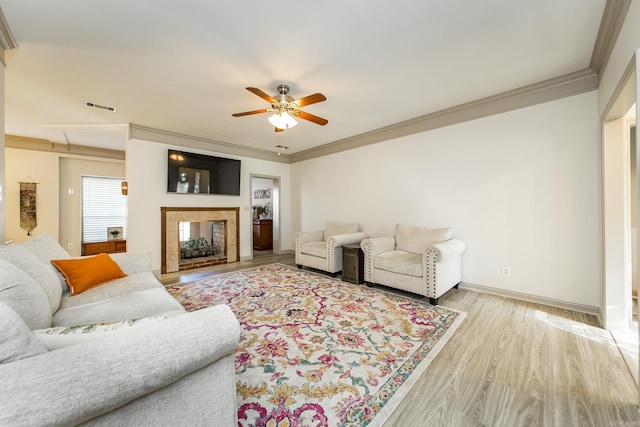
pixel 174 138
pixel 615 12
pixel 7 41
pixel 24 143
pixel 545 91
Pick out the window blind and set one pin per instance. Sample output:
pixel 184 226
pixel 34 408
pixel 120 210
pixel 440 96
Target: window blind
pixel 103 206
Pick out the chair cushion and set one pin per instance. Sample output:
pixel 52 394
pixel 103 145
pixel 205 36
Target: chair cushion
pixel 401 262
pixel 418 239
pixel 334 228
pixel 21 293
pixel 16 340
pixel 318 249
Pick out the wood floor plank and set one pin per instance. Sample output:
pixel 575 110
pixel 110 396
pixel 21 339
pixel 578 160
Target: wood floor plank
pixel 510 363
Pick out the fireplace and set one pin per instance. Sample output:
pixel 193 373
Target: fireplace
pixel 217 226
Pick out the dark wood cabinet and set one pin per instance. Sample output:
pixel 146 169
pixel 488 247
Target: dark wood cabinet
pixel 109 247
pixel 262 234
pixel 352 264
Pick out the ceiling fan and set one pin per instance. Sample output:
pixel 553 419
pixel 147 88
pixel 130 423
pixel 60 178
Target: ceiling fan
pixel 285 108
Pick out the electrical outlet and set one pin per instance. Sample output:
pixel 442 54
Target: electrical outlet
pixel 69 245
pixel 506 271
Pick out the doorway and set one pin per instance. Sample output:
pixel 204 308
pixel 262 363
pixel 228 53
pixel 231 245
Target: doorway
pixel 265 215
pixel 620 210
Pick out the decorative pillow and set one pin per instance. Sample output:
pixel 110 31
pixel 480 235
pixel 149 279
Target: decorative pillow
pixel 21 293
pixel 62 336
pixel 335 228
pixel 88 272
pixel 42 273
pixel 16 340
pixel 418 239
pixel 47 248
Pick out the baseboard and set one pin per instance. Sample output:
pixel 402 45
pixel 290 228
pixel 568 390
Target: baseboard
pixel 595 311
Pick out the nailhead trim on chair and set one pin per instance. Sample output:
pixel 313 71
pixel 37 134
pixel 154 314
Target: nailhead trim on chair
pixel 429 260
pixel 331 261
pixel 368 270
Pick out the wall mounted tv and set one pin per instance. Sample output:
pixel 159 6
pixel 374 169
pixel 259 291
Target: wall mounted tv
pixel 190 173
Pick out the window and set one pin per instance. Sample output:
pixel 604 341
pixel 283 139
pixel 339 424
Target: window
pixel 103 206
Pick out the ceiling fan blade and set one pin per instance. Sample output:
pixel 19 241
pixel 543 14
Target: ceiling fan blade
pixel 248 113
pixel 315 119
pixel 311 99
pixel 278 130
pixel 261 94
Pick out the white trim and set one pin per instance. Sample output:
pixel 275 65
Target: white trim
pixel 594 311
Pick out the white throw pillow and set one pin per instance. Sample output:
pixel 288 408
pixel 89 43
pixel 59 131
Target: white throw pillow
pixel 19 291
pixel 16 340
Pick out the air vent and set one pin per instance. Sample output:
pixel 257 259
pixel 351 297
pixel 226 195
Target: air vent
pixel 99 106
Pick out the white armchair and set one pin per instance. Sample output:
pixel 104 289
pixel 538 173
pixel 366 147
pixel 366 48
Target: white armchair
pixel 419 260
pixel 322 249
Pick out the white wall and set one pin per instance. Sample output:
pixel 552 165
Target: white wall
pixel 147 177
pixel 520 188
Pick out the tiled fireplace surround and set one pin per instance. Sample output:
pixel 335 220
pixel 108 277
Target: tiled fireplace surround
pixel 172 216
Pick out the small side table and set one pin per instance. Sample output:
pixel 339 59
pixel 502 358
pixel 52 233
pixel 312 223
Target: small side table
pixel 353 264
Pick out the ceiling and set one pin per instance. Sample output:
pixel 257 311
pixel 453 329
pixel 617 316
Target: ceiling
pixel 182 67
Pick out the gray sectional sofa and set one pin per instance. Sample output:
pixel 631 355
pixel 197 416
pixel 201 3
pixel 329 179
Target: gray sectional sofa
pixel 122 353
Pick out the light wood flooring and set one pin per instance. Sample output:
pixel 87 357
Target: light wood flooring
pixel 510 363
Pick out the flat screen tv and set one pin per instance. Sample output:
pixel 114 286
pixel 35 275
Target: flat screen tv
pixel 190 173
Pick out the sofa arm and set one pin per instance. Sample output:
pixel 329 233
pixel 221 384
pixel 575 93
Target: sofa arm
pixel 373 247
pixel 77 383
pixel 447 250
pixel 133 262
pixel 339 240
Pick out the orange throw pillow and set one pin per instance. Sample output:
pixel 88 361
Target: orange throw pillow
pixel 86 273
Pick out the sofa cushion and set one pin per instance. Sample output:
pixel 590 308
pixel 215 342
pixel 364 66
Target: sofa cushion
pixel 418 239
pixel 334 228
pixel 16 340
pixel 62 336
pixel 88 272
pixel 47 248
pixel 19 291
pixel 318 249
pixel 401 262
pixel 39 271
pixel 134 305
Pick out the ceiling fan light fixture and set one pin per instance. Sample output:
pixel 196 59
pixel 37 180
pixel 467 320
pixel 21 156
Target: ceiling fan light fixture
pixel 282 120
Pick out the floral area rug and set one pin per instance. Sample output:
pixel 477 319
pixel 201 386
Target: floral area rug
pixel 316 351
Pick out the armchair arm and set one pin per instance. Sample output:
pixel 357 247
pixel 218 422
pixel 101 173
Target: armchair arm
pixel 133 262
pixel 74 384
pixel 305 237
pixel 338 240
pixel 449 249
pixel 373 247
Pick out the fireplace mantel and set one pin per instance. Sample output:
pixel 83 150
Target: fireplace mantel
pixel 172 216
